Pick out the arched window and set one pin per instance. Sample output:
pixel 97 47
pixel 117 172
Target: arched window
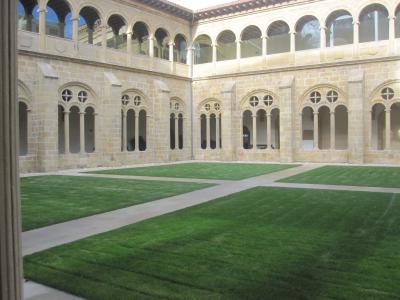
pixel 248 138
pixel 341 127
pixel 161 48
pixel 339 29
pixel 23 129
pixel 28 18
pixel 180 131
pixel 203 52
pixel 278 38
pixel 58 19
pixel 61 129
pixel 378 130
pixel 324 128
pixel 395 126
pixel 116 32
pixel 89 31
pixel 142 130
pixel 226 49
pixel 374 23
pixel 397 22
pixel 203 131
pixel 90 130
pixel 172 131
pixel 74 130
pixel 211 125
pixel 140 38
pixel 308 128
pixel 131 130
pixel 180 49
pixel 251 42
pixel 308 33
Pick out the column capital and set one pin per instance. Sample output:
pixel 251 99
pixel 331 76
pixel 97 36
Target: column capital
pixel 356 23
pixel 171 43
pixel 332 112
pixel 67 112
pixel 323 28
pixel 316 113
pixel 82 113
pixel 388 110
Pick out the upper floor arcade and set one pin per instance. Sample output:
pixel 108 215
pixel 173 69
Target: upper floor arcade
pixel 287 34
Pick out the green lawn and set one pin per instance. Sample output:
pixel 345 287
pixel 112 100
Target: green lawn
pixel 263 243
pixel 223 171
pixel 49 200
pixel 350 175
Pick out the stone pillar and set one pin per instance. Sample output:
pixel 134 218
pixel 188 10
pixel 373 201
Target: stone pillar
pixel 75 28
pixel 208 128
pixel 176 132
pixel 96 130
pixel 322 42
pixel 82 132
pixel 189 56
pixel 214 53
pixel 171 51
pixel 151 46
pixel 66 131
pixel 292 42
pixel 269 130
pixel 137 131
pixel 104 41
pixel 286 115
pixel 264 45
pixel 124 131
pixel 316 130
pixel 238 49
pixel 333 130
pixel 129 47
pixel 10 221
pixel 356 37
pixel 388 129
pixel 42 27
pixel 357 121
pixel 217 136
pixel 254 139
pixel 392 34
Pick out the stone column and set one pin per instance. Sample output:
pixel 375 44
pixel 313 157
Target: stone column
pixel 189 56
pixel 42 27
pixel 333 130
pixel 300 141
pixel 82 132
pixel 264 45
pixel 316 131
pixel 238 49
pixel 176 132
pixel 293 46
pixel 358 118
pixel 217 136
pixel 322 42
pixel 10 222
pixel 151 46
pixel 171 51
pixel 269 131
pixel 104 41
pixel 208 128
pixel 75 28
pixel 129 46
pixel 230 127
pixel 254 140
pixel 124 132
pixel 137 131
pixel 392 34
pixel 96 130
pixel 356 37
pixel 214 53
pixel 388 129
pixel 66 131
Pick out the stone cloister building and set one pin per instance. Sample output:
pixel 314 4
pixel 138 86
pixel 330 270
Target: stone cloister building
pixel 120 82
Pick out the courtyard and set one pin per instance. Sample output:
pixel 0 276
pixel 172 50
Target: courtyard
pixel 213 231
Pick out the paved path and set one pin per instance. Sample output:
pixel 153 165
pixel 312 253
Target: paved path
pixel 35 291
pixel 51 236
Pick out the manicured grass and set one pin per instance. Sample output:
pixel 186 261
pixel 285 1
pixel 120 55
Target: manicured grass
pixel 223 171
pixel 350 175
pixel 49 200
pixel 263 243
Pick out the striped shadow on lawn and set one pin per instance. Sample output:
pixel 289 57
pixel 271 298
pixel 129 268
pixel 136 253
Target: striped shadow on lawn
pixel 386 177
pixel 48 200
pixel 222 171
pixel 263 243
